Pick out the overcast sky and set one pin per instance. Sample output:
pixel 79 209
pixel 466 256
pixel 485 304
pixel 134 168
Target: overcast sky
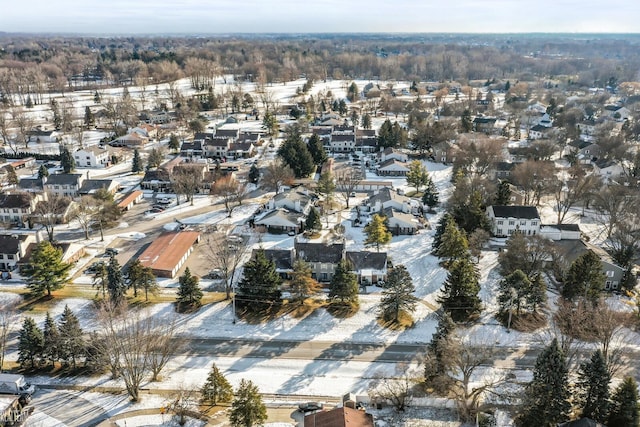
pixel 302 16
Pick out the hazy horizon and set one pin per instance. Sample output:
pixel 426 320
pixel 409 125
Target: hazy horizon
pixel 145 17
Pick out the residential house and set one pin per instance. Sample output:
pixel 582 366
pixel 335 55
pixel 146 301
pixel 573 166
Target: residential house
pixel 239 150
pixel 401 223
pixel 92 156
pixel 322 258
pixel 217 147
pixel 392 153
pixel 374 186
pixel 484 124
pixel 297 200
pixel 31 185
pixel 570 250
pixel 43 135
pixel 501 170
pixel 392 167
pixel 16 208
pixel 156 180
pixel 279 221
pixel 538 132
pixel 62 214
pixel 91 186
pixel 13 248
pixel 343 142
pixel 145 129
pixel 191 149
pixel 366 140
pixel 370 267
pixel 388 198
pixel 585 151
pixel 506 220
pixel 282 258
pixel 63 184
pixel 607 169
pixel 131 140
pixel 339 417
pixel 617 112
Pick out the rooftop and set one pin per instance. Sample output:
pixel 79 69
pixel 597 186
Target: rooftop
pixel 168 249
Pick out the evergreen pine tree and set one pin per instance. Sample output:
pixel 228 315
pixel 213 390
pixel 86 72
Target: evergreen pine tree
pixel 51 343
pixel 247 408
pixel 503 196
pixel 417 176
pixel 89 120
pixel 453 243
pixel 442 224
pixel 431 197
pixel 377 232
pixel 216 388
pixel 439 350
pixel 624 405
pixel 593 388
pixel 45 272
pixel 584 278
pixel 66 160
pixel 460 291
pixel 29 102
pixel 316 149
pixel 546 400
pixel 254 174
pixel 295 154
pixel 43 172
pixel 344 284
pixel 313 220
pixel 366 121
pixel 260 285
pixel 72 343
pixel 397 297
pixel 137 162
pixel 30 344
pixel 466 125
pixel 519 292
pixel 115 282
pixel 174 142
pixel 189 291
pixel 96 97
pixel 385 136
pixel 57 119
pixel 302 285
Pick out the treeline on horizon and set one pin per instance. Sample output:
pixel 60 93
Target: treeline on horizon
pixel 33 63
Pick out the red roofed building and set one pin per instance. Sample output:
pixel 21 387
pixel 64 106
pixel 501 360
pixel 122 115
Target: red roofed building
pixel 169 252
pixel 339 417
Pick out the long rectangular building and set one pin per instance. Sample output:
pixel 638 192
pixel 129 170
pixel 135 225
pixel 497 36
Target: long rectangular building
pixel 169 252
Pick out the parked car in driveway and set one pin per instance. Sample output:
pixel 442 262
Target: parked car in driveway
pixel 310 406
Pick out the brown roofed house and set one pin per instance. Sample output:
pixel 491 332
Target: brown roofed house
pixel 339 417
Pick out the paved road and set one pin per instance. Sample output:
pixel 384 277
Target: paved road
pixel 68 407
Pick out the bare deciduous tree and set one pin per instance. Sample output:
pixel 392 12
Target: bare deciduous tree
pixel 183 402
pixel 9 318
pixel 225 255
pixel 50 212
pixel 396 390
pixel 231 191
pixel 276 174
pixel 347 181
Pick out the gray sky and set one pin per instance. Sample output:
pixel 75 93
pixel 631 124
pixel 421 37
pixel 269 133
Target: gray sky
pixel 260 16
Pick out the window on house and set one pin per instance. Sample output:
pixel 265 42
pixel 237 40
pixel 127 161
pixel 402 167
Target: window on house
pixel 610 273
pixel 534 223
pixel 1 256
pixel 10 256
pixel 499 231
pixel 607 285
pixel 500 222
pixel 512 222
pixel 15 211
pixel 523 222
pixel 510 232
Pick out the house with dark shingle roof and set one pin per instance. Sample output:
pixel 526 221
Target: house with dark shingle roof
pixel 16 208
pixel 323 258
pixel 13 248
pixel 63 184
pixel 371 267
pixel 506 220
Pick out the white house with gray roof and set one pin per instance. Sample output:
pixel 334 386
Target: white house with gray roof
pixel 297 200
pixel 388 198
pixel 506 220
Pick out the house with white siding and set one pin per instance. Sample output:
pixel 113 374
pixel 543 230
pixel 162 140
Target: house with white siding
pixel 506 220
